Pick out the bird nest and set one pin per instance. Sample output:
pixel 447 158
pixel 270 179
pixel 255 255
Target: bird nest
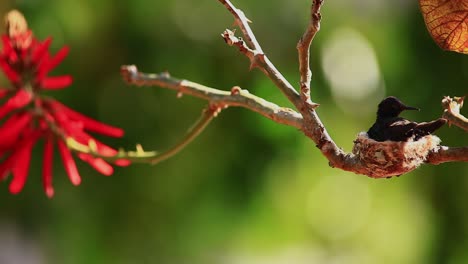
pixel 392 158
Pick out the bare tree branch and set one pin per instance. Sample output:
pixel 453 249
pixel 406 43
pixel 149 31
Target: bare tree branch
pixel 363 160
pixel 243 22
pixel 447 154
pixel 257 57
pixel 312 125
pixel 452 113
pixel 303 48
pixel 237 96
pixel 208 114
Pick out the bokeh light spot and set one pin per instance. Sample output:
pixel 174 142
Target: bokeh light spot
pixel 351 68
pixel 339 205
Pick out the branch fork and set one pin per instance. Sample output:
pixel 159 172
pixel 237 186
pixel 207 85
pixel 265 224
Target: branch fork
pixel 452 113
pixel 303 50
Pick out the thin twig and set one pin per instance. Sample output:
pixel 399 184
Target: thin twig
pixel 152 157
pixel 303 49
pixel 313 127
pixel 256 55
pixel 237 96
pixel 139 155
pixel 452 112
pixel 208 115
pixel 243 22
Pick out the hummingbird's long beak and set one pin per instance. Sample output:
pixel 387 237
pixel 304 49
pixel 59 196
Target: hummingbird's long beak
pixel 410 108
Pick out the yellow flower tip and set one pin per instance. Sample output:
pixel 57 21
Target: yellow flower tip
pixel 73 144
pixel 92 145
pixel 139 149
pixel 15 23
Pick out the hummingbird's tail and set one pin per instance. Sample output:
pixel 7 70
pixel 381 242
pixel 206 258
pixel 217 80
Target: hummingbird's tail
pixel 426 128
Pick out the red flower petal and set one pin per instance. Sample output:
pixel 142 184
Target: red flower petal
pixel 3 92
pixel 8 51
pixel 122 162
pixel 89 123
pixel 48 64
pixel 40 50
pixel 58 82
pixel 11 129
pixel 7 47
pixel 69 163
pixel 20 99
pixel 47 167
pixel 21 168
pixel 68 125
pixel 97 163
pixel 9 72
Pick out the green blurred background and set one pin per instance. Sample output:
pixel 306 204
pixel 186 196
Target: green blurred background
pixel 247 190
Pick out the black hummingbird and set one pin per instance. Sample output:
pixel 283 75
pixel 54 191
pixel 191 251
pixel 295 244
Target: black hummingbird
pixel 389 126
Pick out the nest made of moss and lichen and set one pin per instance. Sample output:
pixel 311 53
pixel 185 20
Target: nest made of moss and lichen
pixel 392 158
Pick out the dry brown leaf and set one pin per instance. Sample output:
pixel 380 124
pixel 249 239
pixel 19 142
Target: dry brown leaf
pixel 447 22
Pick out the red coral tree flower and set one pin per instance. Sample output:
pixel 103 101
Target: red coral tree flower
pixel 26 116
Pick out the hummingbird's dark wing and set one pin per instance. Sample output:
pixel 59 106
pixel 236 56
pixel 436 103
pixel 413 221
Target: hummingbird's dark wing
pixel 426 128
pixel 394 129
pixel 399 129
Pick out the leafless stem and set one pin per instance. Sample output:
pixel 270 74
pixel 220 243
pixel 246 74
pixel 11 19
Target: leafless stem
pixel 303 48
pixel 207 115
pixel 448 154
pixel 152 157
pixel 236 97
pixel 256 56
pixel 452 112
pixel 312 127
pixel 243 22
pixel 139 155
